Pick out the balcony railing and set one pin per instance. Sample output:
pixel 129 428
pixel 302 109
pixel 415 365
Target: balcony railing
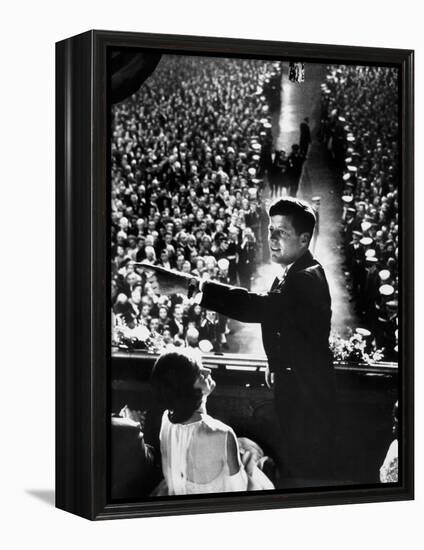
pixel 256 363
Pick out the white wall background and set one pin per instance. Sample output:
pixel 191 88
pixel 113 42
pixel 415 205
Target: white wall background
pixel 28 33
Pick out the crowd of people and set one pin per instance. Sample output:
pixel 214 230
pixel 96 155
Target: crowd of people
pixel 192 153
pixel 189 154
pixel 361 130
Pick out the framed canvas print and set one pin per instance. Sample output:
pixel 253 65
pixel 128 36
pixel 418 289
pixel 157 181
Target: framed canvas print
pixel 234 274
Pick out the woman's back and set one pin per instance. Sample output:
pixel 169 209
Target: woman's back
pixel 200 457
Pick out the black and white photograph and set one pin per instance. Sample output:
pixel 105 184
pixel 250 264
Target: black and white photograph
pixel 255 302
pixel 211 237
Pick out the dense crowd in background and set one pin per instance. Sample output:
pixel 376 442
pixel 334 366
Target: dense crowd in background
pixel 189 153
pixel 361 130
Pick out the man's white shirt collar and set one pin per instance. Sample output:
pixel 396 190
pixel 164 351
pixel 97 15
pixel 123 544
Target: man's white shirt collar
pixel 284 271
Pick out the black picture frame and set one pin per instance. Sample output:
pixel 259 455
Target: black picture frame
pixel 82 333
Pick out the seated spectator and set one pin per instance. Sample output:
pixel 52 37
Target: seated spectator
pixel 134 472
pixel 164 259
pixel 247 258
pixel 199 453
pixel 209 330
pixel 163 316
pixel 177 324
pixel 192 338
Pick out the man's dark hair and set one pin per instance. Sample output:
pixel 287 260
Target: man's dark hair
pixel 302 216
pixel 173 377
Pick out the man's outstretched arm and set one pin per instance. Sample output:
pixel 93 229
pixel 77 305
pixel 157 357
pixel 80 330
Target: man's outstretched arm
pixel 234 302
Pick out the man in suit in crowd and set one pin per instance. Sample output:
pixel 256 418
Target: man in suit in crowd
pixel 295 317
pixel 355 256
pixel 294 169
pixel 305 137
pixel 177 325
pixel 276 173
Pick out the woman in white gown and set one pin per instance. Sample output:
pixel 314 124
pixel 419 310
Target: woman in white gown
pixel 199 453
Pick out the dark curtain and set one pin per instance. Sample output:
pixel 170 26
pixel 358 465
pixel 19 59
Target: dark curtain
pixel 129 71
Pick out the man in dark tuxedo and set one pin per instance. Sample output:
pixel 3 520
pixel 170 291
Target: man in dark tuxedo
pixel 295 317
pixel 177 326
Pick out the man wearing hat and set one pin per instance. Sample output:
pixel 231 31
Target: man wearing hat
pixel 349 226
pixel 387 317
pixel 370 294
pixel 295 317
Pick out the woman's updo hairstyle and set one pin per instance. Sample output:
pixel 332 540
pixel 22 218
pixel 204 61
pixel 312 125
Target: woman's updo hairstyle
pixel 173 377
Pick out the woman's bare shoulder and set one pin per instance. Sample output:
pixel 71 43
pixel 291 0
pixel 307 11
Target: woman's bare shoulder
pixel 212 426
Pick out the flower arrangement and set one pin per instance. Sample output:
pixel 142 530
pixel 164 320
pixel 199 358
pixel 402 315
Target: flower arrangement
pixel 131 336
pixel 359 347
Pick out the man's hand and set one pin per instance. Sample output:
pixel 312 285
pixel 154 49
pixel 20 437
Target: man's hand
pixel 167 281
pixel 269 378
pixel 137 416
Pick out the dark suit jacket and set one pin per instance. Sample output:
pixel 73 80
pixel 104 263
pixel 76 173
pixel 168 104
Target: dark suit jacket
pixel 295 320
pixel 175 329
pixel 305 135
